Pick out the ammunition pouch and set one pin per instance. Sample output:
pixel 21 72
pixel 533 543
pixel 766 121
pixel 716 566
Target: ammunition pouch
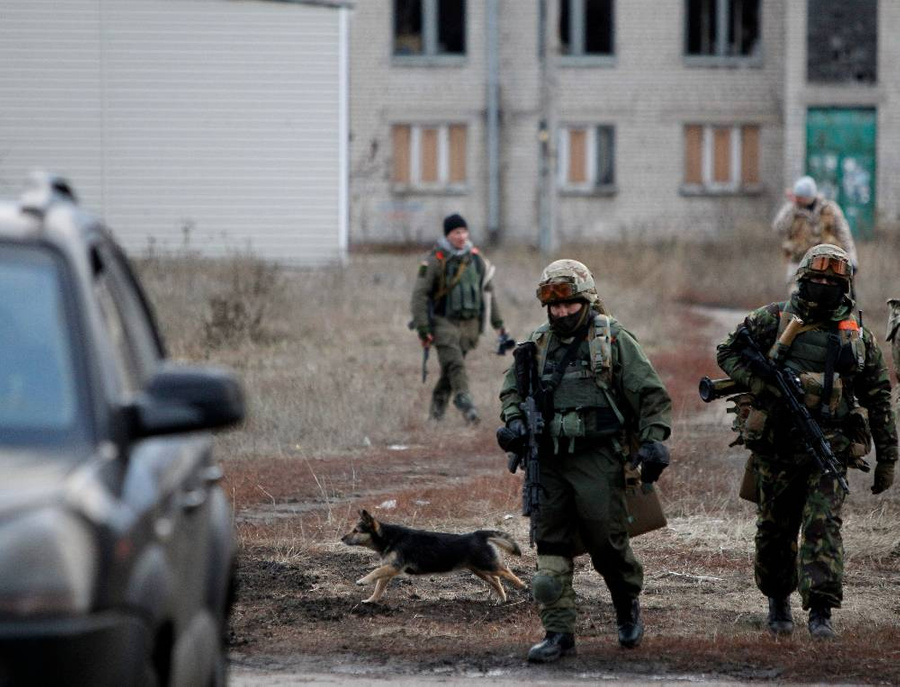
pixel 813 384
pixel 582 423
pixel 750 423
pixel 860 435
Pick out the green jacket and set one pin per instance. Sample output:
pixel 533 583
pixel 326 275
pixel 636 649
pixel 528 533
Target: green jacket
pixel 870 386
pixel 435 283
pixel 636 388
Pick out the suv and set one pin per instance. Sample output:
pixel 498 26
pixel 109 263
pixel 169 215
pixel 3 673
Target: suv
pixel 116 540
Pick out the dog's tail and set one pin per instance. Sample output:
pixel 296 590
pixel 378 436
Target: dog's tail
pixel 503 541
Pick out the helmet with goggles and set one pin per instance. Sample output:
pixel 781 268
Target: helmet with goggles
pixel 566 280
pixel 826 260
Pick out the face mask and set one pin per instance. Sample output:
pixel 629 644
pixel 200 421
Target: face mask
pixel 821 297
pixel 568 325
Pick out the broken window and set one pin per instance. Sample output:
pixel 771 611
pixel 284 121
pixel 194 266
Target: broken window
pixel 723 28
pixel 429 27
pixel 721 158
pixel 586 27
pixel 586 157
pixel 429 156
pixel 842 41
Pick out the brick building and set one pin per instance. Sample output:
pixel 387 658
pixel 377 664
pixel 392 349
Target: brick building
pixel 551 120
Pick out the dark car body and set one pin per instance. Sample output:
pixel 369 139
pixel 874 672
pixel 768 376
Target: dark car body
pixel 116 540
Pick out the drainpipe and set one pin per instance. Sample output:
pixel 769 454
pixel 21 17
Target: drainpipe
pixel 547 18
pixel 493 120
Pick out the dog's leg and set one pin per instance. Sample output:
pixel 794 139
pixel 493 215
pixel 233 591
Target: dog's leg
pixel 384 571
pixel 493 581
pixel 508 574
pixel 380 584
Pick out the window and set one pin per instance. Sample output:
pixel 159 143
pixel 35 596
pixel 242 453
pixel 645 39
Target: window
pixel 430 156
pixel 429 27
pixel 842 41
pixel 586 27
pixel 586 157
pixel 723 28
pixel 721 158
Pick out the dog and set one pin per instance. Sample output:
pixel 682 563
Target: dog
pixel 417 552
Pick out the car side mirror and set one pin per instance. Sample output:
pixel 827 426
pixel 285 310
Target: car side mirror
pixel 185 398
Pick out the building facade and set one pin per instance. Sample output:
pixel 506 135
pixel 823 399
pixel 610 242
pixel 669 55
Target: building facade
pixel 566 120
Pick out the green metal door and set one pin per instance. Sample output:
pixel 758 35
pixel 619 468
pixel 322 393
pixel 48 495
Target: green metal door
pixel 840 156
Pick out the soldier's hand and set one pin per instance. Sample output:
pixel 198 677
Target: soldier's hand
pixel 517 427
pixel 884 477
pixel 653 457
pixel 425 336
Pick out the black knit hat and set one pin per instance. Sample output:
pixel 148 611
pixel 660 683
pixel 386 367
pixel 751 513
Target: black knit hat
pixel 452 222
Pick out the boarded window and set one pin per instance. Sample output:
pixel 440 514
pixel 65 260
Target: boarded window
pixel 586 27
pixel 587 157
pixel 429 27
pixel 432 156
pixel 749 155
pixel 693 154
pixel 401 136
pixel 721 158
pixel 577 156
pixel 842 41
pixel 723 28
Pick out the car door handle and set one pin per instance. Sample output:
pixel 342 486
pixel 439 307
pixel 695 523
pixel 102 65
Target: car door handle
pixel 193 499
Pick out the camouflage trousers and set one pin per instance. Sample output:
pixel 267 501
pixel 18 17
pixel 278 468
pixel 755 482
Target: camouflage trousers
pixel 582 509
pixel 797 499
pixel 453 339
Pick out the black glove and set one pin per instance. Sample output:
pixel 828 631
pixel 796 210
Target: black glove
pixel 653 457
pixel 510 437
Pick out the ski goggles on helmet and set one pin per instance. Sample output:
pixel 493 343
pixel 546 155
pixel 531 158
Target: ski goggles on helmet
pixel 825 263
pixel 557 291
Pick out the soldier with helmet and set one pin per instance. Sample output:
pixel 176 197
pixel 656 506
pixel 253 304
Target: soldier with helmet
pixel 451 301
pixel 847 391
pixel 808 219
pixel 598 389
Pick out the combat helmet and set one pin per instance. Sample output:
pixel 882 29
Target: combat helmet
pixel 826 260
pixel 566 280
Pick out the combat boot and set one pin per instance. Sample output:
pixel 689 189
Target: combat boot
pixel 438 407
pixel 820 622
pixel 628 618
pixel 780 620
pixel 554 646
pixel 464 402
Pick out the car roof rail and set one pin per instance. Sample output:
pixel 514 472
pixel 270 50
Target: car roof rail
pixel 43 190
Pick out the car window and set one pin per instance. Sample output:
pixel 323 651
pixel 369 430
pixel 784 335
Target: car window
pixel 39 398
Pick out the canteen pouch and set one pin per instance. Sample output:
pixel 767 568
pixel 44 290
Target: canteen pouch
pixel 749 491
pixel 566 424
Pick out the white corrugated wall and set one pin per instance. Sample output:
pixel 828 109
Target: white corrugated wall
pixel 217 122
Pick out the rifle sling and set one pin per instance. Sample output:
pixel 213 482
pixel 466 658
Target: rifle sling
pixel 831 353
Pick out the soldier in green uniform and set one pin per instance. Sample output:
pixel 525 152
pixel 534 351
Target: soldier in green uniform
pixel 599 389
pixel 451 302
pixel 847 390
pixel 893 332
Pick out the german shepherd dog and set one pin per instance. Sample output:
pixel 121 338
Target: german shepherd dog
pixel 417 552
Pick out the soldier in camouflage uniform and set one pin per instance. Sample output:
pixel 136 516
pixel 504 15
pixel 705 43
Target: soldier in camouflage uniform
pixel 808 219
pixel 451 301
pixel 602 386
pixel 848 392
pixel 893 332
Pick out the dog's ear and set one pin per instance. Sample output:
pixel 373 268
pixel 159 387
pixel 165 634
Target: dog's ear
pixel 364 515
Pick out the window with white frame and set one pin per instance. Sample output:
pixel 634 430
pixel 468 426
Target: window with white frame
pixel 586 27
pixel 721 158
pixel 429 156
pixel 429 27
pixel 586 157
pixel 722 28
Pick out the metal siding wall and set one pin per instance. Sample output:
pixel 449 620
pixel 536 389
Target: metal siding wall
pixel 218 116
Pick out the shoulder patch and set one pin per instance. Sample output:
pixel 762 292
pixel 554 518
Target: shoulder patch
pixel 850 325
pixel 439 255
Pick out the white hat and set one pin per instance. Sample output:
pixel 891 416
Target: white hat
pixel 805 187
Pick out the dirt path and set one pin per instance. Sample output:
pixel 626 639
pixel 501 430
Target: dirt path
pixel 299 617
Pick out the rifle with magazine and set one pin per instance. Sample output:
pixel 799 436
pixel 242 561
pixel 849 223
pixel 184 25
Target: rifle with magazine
pixel 791 394
pixel 523 446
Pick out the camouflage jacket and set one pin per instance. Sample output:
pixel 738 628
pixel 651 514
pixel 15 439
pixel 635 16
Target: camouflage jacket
pixel 802 228
pixel 431 286
pixel 636 387
pixel 871 387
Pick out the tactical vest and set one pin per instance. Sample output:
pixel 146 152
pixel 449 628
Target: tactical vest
pixel 584 404
pixel 459 296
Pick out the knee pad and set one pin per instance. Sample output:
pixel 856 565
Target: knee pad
pixel 546 588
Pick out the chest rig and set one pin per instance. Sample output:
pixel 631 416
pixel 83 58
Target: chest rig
pixel 459 289
pixel 583 403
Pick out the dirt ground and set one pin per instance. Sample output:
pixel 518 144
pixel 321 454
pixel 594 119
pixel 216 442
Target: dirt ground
pixel 298 611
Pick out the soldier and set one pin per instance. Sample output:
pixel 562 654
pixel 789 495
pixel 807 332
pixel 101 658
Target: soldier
pixel 847 391
pixel 892 332
pixel 597 385
pixel 807 220
pixel 451 302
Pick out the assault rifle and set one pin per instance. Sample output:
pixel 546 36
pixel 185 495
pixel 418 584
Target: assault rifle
pixel 788 384
pixel 523 450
